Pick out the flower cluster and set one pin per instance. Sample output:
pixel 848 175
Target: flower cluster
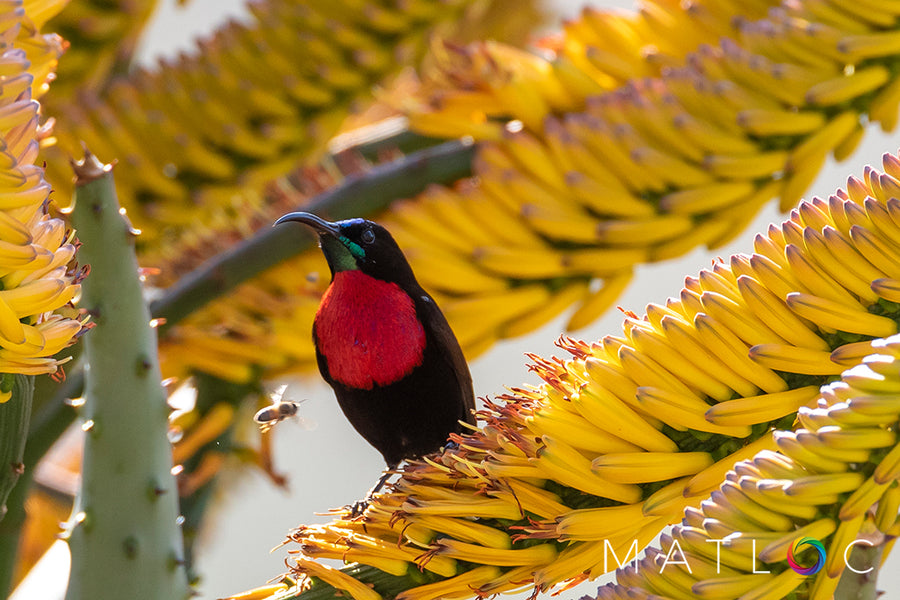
pixel 199 136
pixel 37 278
pixel 833 478
pixel 637 138
pixel 636 428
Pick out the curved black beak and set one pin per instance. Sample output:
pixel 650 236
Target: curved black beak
pixel 319 224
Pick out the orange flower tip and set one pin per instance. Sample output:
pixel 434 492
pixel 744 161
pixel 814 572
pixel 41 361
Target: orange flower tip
pixel 265 591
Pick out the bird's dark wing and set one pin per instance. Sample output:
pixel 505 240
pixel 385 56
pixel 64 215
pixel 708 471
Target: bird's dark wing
pixel 320 360
pixel 438 330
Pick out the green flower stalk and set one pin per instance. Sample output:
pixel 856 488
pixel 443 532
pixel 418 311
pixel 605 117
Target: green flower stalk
pixel 124 533
pixel 636 428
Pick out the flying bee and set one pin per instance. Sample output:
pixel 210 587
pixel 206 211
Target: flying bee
pixel 280 409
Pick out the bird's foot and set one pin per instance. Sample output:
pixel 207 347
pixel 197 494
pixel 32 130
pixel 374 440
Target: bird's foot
pixel 358 508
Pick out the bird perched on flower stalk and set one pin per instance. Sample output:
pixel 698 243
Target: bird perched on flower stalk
pixel 384 346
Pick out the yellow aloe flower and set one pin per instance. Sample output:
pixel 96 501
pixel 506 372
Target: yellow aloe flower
pixel 833 482
pixel 204 133
pixel 37 273
pixel 598 52
pixel 102 38
pixel 635 138
pixel 619 440
pixel 566 202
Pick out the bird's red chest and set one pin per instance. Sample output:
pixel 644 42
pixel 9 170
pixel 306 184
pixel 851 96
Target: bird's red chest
pixel 368 331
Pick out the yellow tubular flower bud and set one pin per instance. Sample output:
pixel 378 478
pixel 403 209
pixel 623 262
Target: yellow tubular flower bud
pixel 760 409
pixel 611 414
pixel 452 588
pixel 783 357
pixel 678 410
pixel 709 478
pixel 336 579
pixel 886 513
pixel 862 499
pixel 649 466
pixel 539 554
pixel 737 586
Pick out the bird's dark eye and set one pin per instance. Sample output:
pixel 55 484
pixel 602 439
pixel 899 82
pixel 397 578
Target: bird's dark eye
pixel 368 236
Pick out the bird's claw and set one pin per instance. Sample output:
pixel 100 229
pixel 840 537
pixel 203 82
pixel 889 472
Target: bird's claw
pixel 358 508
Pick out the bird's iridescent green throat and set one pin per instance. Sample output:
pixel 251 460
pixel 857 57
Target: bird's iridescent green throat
pixel 341 253
pixel 355 249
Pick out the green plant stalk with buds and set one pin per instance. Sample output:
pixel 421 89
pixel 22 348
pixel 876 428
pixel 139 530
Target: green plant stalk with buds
pixel 124 533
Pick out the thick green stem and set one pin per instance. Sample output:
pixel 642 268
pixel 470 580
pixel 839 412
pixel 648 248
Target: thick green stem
pixel 15 414
pixel 124 533
pixel 46 429
pixel 15 473
pixel 861 585
pixel 50 417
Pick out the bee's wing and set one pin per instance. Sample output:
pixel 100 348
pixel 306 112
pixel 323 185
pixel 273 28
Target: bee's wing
pixel 306 423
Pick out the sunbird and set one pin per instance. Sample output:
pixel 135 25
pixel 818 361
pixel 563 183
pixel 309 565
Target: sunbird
pixel 384 346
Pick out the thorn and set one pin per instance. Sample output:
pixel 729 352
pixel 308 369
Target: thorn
pixel 89 168
pixel 130 546
pixel 143 365
pixel 129 228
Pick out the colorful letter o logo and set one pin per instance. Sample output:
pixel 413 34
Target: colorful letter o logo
pixel 795 549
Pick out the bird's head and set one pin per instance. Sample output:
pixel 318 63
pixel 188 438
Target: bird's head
pixel 357 244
